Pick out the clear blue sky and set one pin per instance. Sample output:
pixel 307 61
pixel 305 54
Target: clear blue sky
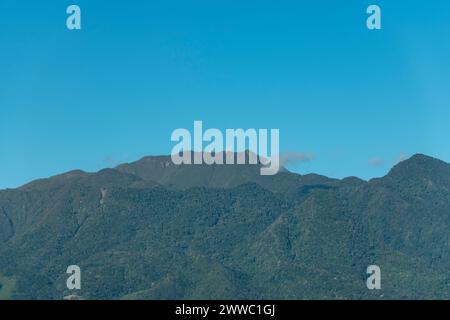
pixel 114 91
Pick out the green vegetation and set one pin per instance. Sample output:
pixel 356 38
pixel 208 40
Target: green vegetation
pixel 200 233
pixel 7 286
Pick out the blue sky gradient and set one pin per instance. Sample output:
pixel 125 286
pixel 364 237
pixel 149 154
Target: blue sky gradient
pixel 114 91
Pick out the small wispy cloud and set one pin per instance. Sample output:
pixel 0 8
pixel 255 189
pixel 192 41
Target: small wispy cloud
pixel 376 162
pixel 401 157
pixel 294 158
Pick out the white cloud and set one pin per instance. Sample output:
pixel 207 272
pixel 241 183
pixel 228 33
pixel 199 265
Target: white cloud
pixel 376 162
pixel 294 158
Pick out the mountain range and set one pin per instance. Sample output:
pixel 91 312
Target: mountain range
pixel 154 230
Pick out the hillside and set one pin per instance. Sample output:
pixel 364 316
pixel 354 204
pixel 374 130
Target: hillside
pixel 151 230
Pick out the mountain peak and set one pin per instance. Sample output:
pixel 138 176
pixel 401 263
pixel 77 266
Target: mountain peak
pixel 162 170
pixel 420 159
pixel 421 166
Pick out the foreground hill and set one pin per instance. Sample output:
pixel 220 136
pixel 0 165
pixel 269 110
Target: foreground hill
pixel 151 230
